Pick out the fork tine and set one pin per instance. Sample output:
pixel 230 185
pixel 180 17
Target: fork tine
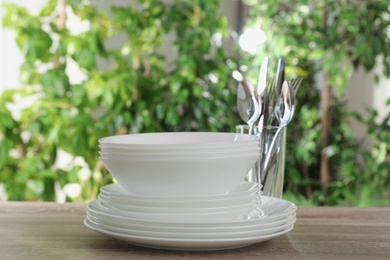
pixel 298 81
pixel 295 83
pixel 271 83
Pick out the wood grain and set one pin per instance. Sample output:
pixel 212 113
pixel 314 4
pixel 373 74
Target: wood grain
pixel 38 230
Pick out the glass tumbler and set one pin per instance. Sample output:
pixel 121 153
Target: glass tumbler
pixel 269 168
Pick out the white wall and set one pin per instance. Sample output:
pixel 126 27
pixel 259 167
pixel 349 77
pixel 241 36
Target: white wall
pixel 362 92
pixel 10 57
pixel 381 93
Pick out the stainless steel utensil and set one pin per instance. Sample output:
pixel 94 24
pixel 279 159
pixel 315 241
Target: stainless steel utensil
pixel 262 87
pixel 285 105
pixel 284 111
pixel 272 95
pixel 247 103
pixel 295 84
pixel 262 80
pixel 280 76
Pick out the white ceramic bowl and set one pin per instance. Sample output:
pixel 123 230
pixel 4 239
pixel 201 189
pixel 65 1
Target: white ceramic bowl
pixel 180 177
pixel 177 140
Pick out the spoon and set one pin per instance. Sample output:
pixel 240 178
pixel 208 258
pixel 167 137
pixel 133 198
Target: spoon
pixel 284 108
pixel 247 101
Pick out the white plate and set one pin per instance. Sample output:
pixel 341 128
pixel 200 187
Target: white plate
pixel 187 229
pixel 188 244
pixel 189 235
pixel 227 202
pixel 125 207
pixel 216 216
pixel 270 210
pixel 244 189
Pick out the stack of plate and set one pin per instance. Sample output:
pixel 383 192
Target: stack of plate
pixel 185 191
pixel 235 219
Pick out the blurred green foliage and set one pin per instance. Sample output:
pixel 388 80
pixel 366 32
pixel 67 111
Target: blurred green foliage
pixel 332 38
pixel 135 87
pixel 136 90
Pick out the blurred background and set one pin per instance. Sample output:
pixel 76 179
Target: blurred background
pixel 74 71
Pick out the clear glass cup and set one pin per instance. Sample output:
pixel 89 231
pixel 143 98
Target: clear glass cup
pixel 269 169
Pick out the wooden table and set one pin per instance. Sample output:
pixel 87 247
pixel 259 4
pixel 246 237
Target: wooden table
pixel 34 230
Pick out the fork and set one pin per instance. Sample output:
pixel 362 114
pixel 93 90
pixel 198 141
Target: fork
pixel 295 84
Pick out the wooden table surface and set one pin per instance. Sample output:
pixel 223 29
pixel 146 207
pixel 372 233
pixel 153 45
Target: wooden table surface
pixel 39 230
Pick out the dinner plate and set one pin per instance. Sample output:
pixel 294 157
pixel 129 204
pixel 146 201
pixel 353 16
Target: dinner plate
pixel 190 235
pixel 189 204
pixel 125 207
pixel 187 244
pixel 187 229
pixel 216 216
pixel 244 189
pixel 270 210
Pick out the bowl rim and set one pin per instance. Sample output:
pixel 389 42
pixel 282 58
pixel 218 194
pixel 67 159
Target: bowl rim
pixel 110 140
pixel 184 158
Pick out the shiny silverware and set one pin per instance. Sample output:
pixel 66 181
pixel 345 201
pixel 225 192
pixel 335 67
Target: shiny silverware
pixel 247 102
pixel 295 84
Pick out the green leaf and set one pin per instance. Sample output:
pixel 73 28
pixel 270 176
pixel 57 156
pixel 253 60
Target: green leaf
pixel 36 187
pixel 11 15
pixel 172 117
pixel 35 44
pixel 75 4
pixel 182 96
pixel 55 83
pixel 83 49
pixel 316 54
pixel 49 8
